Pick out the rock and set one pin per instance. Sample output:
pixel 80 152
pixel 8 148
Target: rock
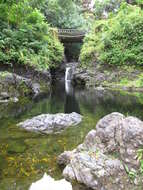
pixel 6 99
pixel 80 77
pixel 36 88
pixel 95 171
pixel 100 88
pixel 4 95
pixel 98 74
pixel 17 85
pixel 51 123
pixel 64 158
pixel 78 186
pixel 106 129
pixel 48 183
pixel 15 99
pixel 100 161
pixel 129 137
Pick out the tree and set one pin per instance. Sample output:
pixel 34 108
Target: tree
pixel 63 14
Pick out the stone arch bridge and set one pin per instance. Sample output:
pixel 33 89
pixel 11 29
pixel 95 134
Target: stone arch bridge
pixel 71 35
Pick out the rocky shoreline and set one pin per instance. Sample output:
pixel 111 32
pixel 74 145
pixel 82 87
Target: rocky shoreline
pixel 14 86
pixel 106 76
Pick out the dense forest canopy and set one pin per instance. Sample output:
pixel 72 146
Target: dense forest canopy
pixel 27 36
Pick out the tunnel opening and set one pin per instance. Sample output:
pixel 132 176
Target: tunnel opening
pixel 72 51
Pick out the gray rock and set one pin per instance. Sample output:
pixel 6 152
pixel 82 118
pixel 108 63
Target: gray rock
pixel 65 158
pixel 129 137
pixel 99 162
pixel 15 99
pixel 4 95
pixel 12 99
pixel 5 98
pixel 94 170
pixel 100 88
pixel 36 88
pixel 51 123
pixel 104 75
pixel 17 85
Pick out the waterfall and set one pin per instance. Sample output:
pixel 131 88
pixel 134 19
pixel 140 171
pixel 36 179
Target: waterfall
pixel 68 77
pixel 68 74
pixel 68 87
pixel 71 104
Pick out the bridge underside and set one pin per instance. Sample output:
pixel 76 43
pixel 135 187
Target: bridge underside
pixel 71 35
pixel 71 39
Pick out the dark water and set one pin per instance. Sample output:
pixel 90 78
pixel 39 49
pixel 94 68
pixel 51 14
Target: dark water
pixel 25 156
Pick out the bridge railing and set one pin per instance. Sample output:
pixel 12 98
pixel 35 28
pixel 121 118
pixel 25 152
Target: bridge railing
pixel 72 32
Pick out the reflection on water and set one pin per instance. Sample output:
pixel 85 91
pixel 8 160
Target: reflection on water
pixel 25 156
pixel 71 104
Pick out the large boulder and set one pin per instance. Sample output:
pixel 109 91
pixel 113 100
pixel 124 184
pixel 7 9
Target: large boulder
pixel 102 160
pixel 51 123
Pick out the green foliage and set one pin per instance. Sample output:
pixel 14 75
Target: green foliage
pixel 139 3
pixel 26 38
pixel 117 40
pixel 91 46
pixel 63 14
pixel 140 158
pixel 131 173
pixel 133 83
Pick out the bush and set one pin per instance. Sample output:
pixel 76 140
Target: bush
pixel 26 38
pixel 117 40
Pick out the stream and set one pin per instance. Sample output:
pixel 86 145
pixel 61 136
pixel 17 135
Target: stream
pixel 26 156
